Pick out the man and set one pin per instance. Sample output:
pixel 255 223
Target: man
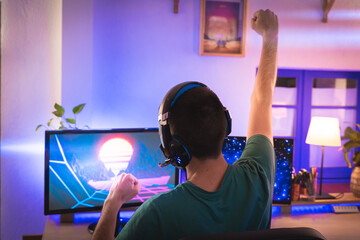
pixel 217 197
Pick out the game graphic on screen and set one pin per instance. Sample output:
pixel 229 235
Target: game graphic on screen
pixel 82 166
pixel 234 146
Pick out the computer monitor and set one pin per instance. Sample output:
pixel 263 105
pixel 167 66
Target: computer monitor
pixel 80 166
pixel 234 146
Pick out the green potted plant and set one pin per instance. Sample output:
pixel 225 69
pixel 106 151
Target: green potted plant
pixel 352 146
pixel 59 121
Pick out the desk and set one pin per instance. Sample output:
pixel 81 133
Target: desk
pixel 76 227
pixel 54 230
pixel 347 198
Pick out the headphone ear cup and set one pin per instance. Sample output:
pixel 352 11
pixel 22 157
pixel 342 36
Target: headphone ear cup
pixel 228 122
pixel 179 154
pixel 172 149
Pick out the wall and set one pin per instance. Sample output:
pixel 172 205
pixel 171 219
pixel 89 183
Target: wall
pixel 77 61
pixel 31 82
pixel 124 59
pixel 140 51
pixel 306 42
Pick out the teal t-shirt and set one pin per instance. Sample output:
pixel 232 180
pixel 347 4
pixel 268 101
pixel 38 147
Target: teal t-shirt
pixel 243 201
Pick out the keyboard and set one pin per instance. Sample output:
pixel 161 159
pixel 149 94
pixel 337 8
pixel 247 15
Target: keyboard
pixel 346 209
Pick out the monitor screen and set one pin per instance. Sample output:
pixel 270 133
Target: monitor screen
pixel 234 146
pixel 80 166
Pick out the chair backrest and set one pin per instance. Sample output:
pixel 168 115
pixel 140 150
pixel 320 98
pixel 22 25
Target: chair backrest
pixel 302 233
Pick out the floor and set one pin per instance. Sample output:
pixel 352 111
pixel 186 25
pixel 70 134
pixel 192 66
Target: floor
pixel 332 226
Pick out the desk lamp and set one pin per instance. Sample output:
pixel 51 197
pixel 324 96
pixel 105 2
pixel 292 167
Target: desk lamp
pixel 323 131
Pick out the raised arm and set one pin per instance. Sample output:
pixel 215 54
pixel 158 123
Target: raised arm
pixel 266 24
pixel 124 188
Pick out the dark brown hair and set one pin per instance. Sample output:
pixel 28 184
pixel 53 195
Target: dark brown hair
pixel 198 120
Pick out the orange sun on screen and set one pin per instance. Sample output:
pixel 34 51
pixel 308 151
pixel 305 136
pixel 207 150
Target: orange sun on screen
pixel 116 154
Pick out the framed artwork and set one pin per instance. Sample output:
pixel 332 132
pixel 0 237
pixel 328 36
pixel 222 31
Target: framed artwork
pixel 222 27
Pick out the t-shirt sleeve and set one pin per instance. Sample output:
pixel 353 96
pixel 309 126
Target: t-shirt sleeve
pixel 144 224
pixel 259 151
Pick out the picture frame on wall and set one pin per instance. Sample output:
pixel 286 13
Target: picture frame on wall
pixel 222 28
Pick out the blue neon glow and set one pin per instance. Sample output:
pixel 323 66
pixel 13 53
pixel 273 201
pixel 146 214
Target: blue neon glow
pixel 311 209
pixel 324 208
pixel 303 209
pixel 276 210
pixel 86 217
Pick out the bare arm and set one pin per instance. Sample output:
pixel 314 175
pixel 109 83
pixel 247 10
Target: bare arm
pixel 260 121
pixel 124 188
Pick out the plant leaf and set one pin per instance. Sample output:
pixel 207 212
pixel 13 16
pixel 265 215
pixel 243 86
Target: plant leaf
pixel 62 127
pixel 49 122
pixel 78 108
pixel 350 144
pixel 347 160
pixel 59 107
pixel 58 113
pixel 38 127
pixel 351 134
pixel 70 120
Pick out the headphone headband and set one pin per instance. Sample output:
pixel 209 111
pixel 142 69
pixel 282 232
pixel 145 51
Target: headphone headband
pixel 170 98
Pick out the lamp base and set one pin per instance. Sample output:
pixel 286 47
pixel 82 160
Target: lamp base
pixel 324 196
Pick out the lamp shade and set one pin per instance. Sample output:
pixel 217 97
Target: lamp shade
pixel 324 131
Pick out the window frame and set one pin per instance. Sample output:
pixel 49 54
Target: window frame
pixel 304 84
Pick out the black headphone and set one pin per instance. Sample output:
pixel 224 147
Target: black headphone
pixel 174 149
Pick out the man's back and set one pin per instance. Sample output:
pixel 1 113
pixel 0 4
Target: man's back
pixel 243 201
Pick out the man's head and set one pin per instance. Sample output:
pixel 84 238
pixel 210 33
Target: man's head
pixel 198 120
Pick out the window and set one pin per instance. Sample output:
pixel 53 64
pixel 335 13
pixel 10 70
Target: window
pixel 301 94
pixel 284 105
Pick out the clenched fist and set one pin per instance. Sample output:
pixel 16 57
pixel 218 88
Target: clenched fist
pixel 266 24
pixel 123 189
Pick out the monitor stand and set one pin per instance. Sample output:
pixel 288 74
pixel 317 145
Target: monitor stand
pixel 120 223
pixel 67 218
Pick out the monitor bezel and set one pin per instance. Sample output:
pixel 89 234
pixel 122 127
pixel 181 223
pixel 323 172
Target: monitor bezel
pixel 48 133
